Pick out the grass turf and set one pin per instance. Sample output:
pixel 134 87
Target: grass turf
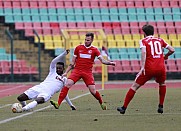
pixel 141 113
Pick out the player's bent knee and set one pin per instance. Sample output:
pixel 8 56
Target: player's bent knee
pixel 22 97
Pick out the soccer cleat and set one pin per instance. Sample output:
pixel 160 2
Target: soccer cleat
pixel 103 106
pixel 122 110
pixel 73 107
pixel 54 103
pixel 160 109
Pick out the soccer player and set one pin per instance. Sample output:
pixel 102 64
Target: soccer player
pixel 153 66
pixel 53 83
pixel 82 62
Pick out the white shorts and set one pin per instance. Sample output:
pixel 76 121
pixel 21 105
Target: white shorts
pixel 37 91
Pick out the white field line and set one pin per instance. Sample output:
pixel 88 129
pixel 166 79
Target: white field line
pixel 29 113
pixel 5 105
pixel 11 88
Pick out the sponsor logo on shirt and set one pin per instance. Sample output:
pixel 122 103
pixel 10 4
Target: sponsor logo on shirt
pixel 90 51
pixel 58 78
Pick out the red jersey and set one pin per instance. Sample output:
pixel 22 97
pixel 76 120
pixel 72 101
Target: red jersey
pixel 85 57
pixel 154 52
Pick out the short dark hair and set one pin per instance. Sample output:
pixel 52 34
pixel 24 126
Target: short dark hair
pixel 90 34
pixel 60 63
pixel 148 29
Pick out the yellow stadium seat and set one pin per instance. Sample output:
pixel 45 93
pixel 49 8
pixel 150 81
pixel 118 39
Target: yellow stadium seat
pixel 48 38
pixel 156 35
pixel 176 43
pixel 110 37
pixel 57 38
pixel 99 37
pixel 136 37
pixel 112 44
pixel 137 44
pixel 127 37
pixel 130 43
pixel 172 37
pixel 119 37
pixel 74 37
pixel 121 43
pixel 49 45
pixel 179 36
pixel 59 44
pixel 82 37
pixel 41 39
pixel 164 36
pixel 96 44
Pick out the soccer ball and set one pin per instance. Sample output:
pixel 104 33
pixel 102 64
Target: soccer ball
pixel 16 108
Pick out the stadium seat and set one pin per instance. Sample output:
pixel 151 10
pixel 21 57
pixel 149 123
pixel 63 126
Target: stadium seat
pixel 139 4
pixel 112 4
pixel 121 4
pixel 24 4
pixel 103 4
pixel 51 4
pixel 165 4
pixel 174 4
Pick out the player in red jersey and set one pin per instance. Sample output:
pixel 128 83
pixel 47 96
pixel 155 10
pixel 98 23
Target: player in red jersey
pixel 82 63
pixel 153 66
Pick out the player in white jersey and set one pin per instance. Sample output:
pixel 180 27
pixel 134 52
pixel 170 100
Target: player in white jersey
pixel 53 83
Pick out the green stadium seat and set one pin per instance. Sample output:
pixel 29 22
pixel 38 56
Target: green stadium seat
pixel 58 51
pixel 150 17
pixel 44 18
pixel 114 18
pixel 8 11
pixel 78 11
pixel 159 17
pixel 95 11
pixel 34 11
pixel 176 11
pixel 69 11
pixel 105 18
pixel 114 56
pixel 35 18
pixel 113 11
pixel 113 50
pixel 168 17
pixel 149 11
pixel 140 10
pixel 176 17
pixel 17 11
pixel 87 11
pixel 62 18
pixel 1 12
pixel 133 56
pixel 122 11
pixel 131 50
pixel 88 18
pixel 71 18
pixel 2 51
pixel 79 18
pixel 18 18
pixel 122 50
pixel 96 18
pixel 9 19
pixel 141 17
pixel 52 11
pixel 26 18
pixel 104 11
pixel 43 11
pixel 61 11
pixel 3 57
pixel 131 11
pixel 132 17
pixel 124 56
pixel 167 11
pixel 25 11
pixel 53 18
pixel 158 11
pixel 123 18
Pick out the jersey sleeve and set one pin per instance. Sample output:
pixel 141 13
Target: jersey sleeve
pixel 165 44
pixel 76 51
pixel 141 44
pixel 97 52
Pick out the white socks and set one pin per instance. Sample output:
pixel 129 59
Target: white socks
pixel 30 105
pixel 68 101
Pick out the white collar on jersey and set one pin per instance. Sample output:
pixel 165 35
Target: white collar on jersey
pixel 150 36
pixel 88 46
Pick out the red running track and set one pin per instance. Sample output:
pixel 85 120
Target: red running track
pixel 8 89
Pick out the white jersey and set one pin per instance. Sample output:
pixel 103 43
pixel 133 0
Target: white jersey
pixel 52 84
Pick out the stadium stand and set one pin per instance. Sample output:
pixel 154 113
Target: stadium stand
pixel 121 20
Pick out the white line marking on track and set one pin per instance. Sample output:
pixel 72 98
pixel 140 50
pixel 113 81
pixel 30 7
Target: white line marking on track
pixel 11 88
pixel 29 113
pixel 5 105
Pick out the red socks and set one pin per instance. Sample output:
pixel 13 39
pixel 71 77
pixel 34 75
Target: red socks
pixel 63 94
pixel 129 96
pixel 162 92
pixel 98 97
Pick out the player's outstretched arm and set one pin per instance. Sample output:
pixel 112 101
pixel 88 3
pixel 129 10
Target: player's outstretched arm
pixel 106 62
pixel 59 58
pixel 71 66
